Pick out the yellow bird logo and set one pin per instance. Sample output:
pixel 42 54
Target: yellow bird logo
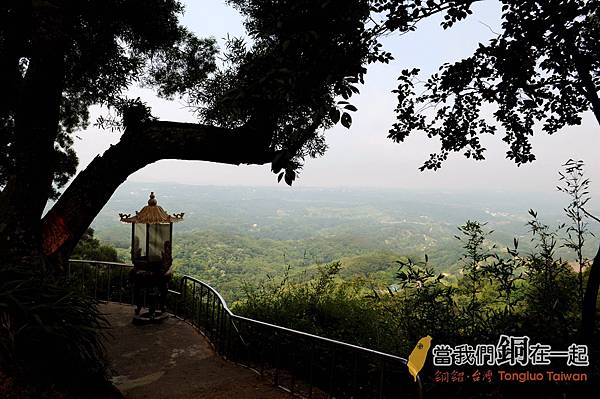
pixel 416 359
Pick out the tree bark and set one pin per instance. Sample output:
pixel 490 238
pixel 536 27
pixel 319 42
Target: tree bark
pixel 77 207
pixel 583 67
pixel 588 307
pixel 590 298
pixel 36 119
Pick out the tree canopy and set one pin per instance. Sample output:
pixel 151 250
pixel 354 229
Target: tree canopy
pixel 268 102
pixel 103 47
pixel 542 71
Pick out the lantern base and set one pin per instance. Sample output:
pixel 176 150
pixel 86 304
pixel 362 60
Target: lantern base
pixel 149 318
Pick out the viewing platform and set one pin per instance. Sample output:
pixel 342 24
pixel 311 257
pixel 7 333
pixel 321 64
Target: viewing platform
pixel 173 360
pixel 204 350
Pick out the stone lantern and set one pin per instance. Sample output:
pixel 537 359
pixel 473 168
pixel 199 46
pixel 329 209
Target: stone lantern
pixel 151 239
pixel 151 232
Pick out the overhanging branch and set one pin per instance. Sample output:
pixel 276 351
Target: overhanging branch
pixel 92 188
pixel 197 142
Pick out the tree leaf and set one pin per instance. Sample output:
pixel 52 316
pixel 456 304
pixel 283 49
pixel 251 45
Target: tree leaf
pixel 290 176
pixel 334 115
pixel 346 120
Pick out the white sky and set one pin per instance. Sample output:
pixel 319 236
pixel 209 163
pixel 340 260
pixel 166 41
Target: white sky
pixel 363 156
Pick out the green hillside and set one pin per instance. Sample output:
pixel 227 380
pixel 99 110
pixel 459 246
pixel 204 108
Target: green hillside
pixel 237 235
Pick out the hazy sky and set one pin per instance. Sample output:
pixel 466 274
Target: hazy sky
pixel 363 156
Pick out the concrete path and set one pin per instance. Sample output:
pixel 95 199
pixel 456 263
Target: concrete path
pixel 172 360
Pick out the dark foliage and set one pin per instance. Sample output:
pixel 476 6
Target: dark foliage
pixel 304 56
pixel 90 248
pixel 108 46
pixel 543 67
pixel 51 336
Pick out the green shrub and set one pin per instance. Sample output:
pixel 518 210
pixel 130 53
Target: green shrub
pixel 90 248
pixel 323 305
pixel 49 333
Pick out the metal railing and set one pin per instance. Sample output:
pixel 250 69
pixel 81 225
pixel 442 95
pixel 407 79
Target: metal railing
pixel 307 365
pixel 106 281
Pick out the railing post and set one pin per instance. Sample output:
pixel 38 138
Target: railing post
pixel 228 336
pixel 310 370
pixel 219 323
pixel 221 326
pixel 212 316
pixel 262 360
pixel 206 325
pixel 121 284
pixel 216 325
pixel 331 375
pixel 183 297
pixel 197 300
pixel 96 283
pixel 293 372
pixel 277 358
pixel 355 375
pixel 109 283
pixel 200 304
pixel 207 313
pixel 193 301
pixel 83 279
pixel 381 379
pixel 176 310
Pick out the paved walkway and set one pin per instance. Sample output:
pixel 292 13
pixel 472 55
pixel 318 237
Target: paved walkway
pixel 172 360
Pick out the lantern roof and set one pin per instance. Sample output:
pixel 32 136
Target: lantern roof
pixel 151 214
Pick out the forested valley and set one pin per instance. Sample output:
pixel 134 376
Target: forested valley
pixel 236 235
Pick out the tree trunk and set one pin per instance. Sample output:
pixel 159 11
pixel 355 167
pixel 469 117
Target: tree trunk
pixel 589 88
pixel 77 207
pixel 36 119
pixel 590 298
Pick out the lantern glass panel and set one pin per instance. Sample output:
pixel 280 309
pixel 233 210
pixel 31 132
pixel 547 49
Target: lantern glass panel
pixel 158 234
pixel 139 241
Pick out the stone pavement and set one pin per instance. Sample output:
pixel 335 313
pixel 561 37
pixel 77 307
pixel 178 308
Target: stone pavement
pixel 172 360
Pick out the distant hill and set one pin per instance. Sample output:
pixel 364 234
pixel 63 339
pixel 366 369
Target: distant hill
pixel 233 235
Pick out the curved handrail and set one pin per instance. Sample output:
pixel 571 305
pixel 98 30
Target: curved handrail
pixel 275 327
pixel 223 312
pixel 100 262
pixel 213 290
pixel 289 330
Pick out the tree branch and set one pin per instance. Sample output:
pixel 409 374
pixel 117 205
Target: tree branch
pixel 77 207
pixel 590 215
